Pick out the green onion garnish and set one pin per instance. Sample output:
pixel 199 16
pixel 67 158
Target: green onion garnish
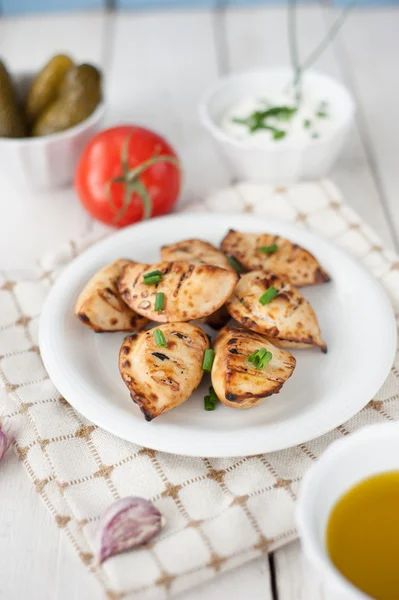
pixel 159 301
pixel 237 266
pixel 268 295
pixel 211 400
pixel 207 361
pixel 260 358
pixel 153 277
pixel 160 338
pixel 268 249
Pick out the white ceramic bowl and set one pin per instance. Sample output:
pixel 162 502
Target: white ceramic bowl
pixel 47 161
pixel 372 450
pixel 289 159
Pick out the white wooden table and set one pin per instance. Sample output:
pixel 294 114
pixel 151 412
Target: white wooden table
pixel 156 66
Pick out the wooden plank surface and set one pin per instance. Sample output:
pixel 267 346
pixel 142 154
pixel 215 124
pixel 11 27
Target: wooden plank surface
pixel 365 49
pixel 161 64
pixel 45 219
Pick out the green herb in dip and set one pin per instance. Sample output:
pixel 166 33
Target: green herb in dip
pixel 278 117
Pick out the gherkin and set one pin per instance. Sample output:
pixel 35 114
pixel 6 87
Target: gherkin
pixel 79 95
pixel 46 85
pixel 11 123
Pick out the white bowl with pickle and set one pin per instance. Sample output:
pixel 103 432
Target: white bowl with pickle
pixel 46 119
pixel 273 131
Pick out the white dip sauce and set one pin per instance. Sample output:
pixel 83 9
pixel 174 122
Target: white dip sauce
pixel 313 119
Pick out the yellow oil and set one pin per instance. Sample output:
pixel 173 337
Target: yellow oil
pixel 363 536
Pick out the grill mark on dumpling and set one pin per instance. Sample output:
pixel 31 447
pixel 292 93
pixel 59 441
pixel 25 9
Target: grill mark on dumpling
pixel 83 317
pixel 179 335
pixel 179 364
pixel 298 304
pixel 111 291
pixel 139 275
pixel 104 295
pixel 238 369
pixel 167 269
pixel 183 276
pixel 160 356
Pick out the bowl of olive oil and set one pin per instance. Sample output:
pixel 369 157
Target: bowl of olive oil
pixel 348 514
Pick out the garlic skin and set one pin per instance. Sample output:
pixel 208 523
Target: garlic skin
pixel 127 524
pixel 6 440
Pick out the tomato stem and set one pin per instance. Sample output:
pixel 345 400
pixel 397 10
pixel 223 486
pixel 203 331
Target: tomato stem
pixel 133 174
pixel 132 182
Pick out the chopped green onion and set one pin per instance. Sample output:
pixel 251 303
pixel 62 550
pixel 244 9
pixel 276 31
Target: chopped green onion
pixel 160 338
pixel 152 273
pixel 211 400
pixel 207 361
pixel 237 266
pixel 159 301
pixel 153 277
pixel 278 134
pixel 268 296
pixel 321 114
pixel 260 358
pixel 307 123
pixel 268 249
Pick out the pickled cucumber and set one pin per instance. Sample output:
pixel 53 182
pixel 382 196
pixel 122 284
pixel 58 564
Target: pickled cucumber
pixel 11 123
pixel 79 95
pixel 45 86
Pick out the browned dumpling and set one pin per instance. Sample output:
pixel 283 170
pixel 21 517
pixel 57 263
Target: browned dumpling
pixel 196 252
pixel 218 319
pixel 288 319
pixel 161 378
pixel 299 265
pixel 100 305
pixel 190 291
pixel 236 381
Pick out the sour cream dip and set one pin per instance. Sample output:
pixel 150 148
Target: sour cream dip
pixel 309 119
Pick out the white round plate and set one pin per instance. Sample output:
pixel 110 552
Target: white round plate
pixel 324 391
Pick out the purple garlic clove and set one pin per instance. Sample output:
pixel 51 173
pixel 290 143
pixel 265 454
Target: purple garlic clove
pixel 126 524
pixel 6 440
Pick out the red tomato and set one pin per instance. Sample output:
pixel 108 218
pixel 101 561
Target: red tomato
pixel 126 174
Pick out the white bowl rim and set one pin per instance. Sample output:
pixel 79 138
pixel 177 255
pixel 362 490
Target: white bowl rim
pixel 310 482
pixel 67 133
pixel 288 143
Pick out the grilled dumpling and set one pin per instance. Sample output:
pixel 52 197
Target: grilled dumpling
pixel 287 317
pixel 100 305
pixel 190 291
pixel 218 319
pixel 196 252
pixel 236 381
pixel 161 378
pixel 289 259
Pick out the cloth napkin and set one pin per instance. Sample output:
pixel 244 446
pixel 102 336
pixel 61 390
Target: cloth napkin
pixel 219 513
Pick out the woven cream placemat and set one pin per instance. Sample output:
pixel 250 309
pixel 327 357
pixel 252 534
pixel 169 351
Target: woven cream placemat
pixel 219 512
